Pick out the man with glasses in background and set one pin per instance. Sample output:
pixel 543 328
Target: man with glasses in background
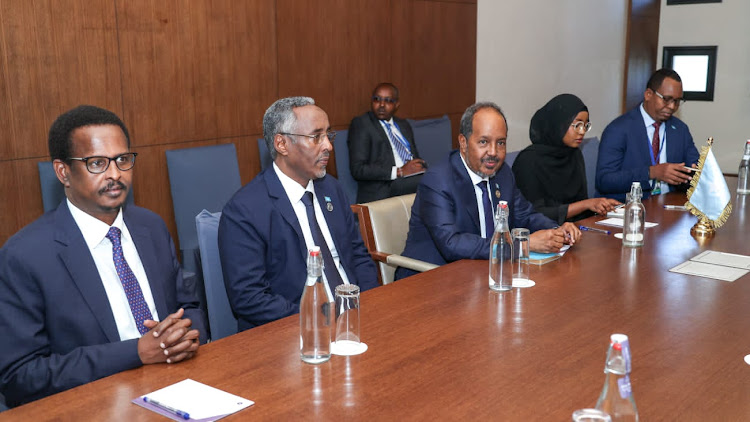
pixel 383 157
pixel 648 144
pixel 83 288
pixel 269 225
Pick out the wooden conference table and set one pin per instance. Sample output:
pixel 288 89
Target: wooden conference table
pixel 443 346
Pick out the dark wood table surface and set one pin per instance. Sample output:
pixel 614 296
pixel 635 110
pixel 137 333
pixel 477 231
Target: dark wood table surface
pixel 443 346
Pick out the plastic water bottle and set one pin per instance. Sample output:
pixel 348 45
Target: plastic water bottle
pixel 501 251
pixel 634 222
pixel 617 395
pixel 743 175
pixel 315 319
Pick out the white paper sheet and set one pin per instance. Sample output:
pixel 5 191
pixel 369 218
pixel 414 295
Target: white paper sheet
pixel 618 222
pixel 723 258
pixel 200 401
pixel 716 272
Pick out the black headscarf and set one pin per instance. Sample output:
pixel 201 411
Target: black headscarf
pixel 558 168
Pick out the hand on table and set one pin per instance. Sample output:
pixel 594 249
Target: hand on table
pixel 602 205
pixel 170 340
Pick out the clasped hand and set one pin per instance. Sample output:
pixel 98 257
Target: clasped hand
pixel 551 240
pixel 170 340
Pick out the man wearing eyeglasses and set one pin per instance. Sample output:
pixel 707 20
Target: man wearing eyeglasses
pixel 93 287
pixel 648 144
pixel 383 157
pixel 269 225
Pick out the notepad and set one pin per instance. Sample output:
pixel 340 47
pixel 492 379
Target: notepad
pixel 543 258
pixel 200 401
pixel 716 265
pixel 618 222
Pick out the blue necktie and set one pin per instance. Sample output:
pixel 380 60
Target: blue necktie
pixel 329 267
pixel 402 147
pixel 137 303
pixel 489 221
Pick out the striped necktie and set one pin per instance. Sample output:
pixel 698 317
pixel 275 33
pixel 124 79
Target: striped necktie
pixel 402 147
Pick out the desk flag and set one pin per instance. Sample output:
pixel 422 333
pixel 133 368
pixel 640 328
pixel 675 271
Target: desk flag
pixel 708 196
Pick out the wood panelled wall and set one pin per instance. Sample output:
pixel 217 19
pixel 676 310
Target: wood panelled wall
pixel 187 73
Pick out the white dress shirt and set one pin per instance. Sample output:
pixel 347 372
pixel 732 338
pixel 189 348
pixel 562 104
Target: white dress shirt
pixel 294 191
pixel 662 144
pixel 475 178
pixel 396 157
pixel 94 233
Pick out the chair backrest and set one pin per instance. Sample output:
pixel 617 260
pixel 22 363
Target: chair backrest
pixel 389 219
pixel 53 191
pixel 220 318
pixel 263 154
pixel 200 178
pixel 433 138
pixel 341 151
pixel 590 150
pixel 510 157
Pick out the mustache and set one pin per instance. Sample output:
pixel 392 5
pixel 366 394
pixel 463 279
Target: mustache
pixel 490 158
pixel 112 185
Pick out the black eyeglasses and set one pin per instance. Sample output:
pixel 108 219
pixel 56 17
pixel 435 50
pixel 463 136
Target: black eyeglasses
pixel 97 164
pixel 377 99
pixel 317 138
pixel 669 100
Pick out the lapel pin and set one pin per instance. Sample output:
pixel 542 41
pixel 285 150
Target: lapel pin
pixel 329 205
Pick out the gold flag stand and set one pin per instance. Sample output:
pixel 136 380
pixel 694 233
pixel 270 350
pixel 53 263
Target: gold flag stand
pixel 705 227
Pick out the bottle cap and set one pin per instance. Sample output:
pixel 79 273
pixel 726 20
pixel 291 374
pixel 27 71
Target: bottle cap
pixel 502 204
pixel 315 251
pixel 618 338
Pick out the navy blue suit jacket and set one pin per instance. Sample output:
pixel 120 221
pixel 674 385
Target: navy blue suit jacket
pixel 263 252
pixel 444 224
pixel 625 157
pixel 56 325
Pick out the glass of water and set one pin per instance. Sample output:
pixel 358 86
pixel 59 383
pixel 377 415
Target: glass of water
pixel 520 260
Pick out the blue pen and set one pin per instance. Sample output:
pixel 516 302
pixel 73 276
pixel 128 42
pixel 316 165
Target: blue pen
pixel 594 229
pixel 172 410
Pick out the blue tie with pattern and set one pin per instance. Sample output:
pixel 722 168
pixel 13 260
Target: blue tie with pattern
pixel 402 147
pixel 137 303
pixel 489 220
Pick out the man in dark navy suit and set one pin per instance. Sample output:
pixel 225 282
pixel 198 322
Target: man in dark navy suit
pixel 83 288
pixel 383 157
pixel 648 144
pixel 269 225
pixel 452 215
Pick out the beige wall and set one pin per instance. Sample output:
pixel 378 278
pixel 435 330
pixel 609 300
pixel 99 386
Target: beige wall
pixel 727 118
pixel 531 50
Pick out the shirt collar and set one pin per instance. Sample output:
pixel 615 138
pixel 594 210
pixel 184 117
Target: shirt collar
pixel 93 229
pixel 646 118
pixel 293 189
pixel 475 178
pixel 390 121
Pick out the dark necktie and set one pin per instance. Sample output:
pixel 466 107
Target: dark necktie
pixel 137 303
pixel 489 222
pixel 655 142
pixel 329 267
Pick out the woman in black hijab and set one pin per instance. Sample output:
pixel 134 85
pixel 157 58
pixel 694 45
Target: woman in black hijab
pixel 551 172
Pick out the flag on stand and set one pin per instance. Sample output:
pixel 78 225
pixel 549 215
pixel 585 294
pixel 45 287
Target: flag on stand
pixel 708 196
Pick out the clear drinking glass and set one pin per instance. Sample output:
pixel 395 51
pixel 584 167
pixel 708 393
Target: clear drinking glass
pixel 520 257
pixel 347 338
pixel 591 415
